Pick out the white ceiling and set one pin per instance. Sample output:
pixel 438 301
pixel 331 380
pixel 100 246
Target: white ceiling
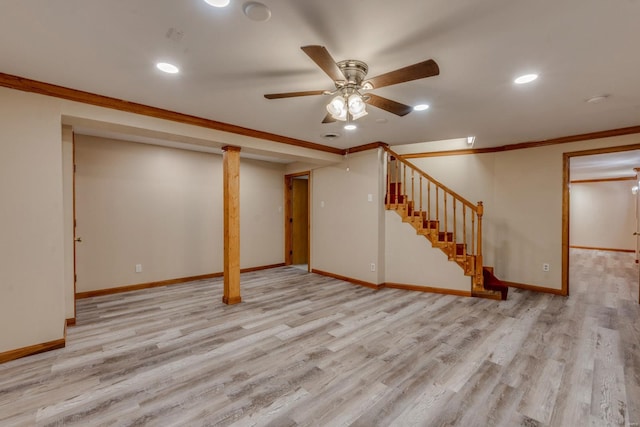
pixel 580 48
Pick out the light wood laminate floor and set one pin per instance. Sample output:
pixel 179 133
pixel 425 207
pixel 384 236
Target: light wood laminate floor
pixel 303 349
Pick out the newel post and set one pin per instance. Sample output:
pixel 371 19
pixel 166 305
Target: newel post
pixel 479 278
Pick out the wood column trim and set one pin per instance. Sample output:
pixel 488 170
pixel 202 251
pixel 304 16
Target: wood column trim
pixel 231 195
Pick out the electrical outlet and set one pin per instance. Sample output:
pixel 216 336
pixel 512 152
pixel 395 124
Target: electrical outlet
pixel 545 267
pixel 373 266
pixel 138 268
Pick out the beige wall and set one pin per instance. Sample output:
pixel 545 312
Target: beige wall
pixel 345 226
pixel 411 260
pixel 32 304
pixel 522 193
pixel 35 286
pixel 261 213
pixel 142 204
pixel 162 208
pixel 67 200
pixel 349 233
pixel 603 215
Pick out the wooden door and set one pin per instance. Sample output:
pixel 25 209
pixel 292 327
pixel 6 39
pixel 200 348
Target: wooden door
pixel 300 221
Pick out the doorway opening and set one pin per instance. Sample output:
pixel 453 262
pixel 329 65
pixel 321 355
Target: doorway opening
pixel 592 220
pixel 297 221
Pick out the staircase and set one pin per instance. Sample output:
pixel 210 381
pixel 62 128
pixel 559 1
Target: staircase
pixel 450 222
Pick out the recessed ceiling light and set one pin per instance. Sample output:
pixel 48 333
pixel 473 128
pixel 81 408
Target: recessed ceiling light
pixel 217 3
pixel 167 68
pixel 421 107
pixel 527 78
pixel 350 126
pixel 256 11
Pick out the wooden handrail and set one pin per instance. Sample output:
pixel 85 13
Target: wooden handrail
pixel 430 178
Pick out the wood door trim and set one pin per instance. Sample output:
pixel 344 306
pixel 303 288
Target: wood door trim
pixel 587 181
pixel 288 229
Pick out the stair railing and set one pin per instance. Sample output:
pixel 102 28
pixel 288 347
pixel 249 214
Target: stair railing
pixel 443 213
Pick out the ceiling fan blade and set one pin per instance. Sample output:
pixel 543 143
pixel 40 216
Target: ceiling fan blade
pixel 320 55
pixel 328 118
pixel 388 105
pixel 293 94
pixel 417 71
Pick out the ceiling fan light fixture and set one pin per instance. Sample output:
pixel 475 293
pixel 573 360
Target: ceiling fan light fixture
pixel 357 107
pixel 350 126
pixel 421 107
pixel 338 108
pixel 358 115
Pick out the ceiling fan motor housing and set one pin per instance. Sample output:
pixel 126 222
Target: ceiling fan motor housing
pixel 354 72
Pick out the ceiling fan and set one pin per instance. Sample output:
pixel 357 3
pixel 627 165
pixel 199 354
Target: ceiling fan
pixel 351 88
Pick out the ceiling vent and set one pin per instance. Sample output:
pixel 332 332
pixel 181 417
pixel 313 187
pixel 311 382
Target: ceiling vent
pixel 331 135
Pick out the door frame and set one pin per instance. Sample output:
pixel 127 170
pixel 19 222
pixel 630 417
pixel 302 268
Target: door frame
pixel 288 212
pixel 566 181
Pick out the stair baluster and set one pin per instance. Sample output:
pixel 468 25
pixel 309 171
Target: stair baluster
pixel 420 216
pixel 478 270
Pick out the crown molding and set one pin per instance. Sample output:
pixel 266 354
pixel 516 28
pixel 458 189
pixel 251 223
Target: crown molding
pixel 532 144
pixel 42 88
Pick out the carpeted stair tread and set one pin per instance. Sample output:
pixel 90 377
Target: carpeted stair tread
pixel 491 282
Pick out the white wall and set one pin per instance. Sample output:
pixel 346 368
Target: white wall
pixel 603 215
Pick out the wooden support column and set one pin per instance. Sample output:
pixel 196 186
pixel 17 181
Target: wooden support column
pixel 231 195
